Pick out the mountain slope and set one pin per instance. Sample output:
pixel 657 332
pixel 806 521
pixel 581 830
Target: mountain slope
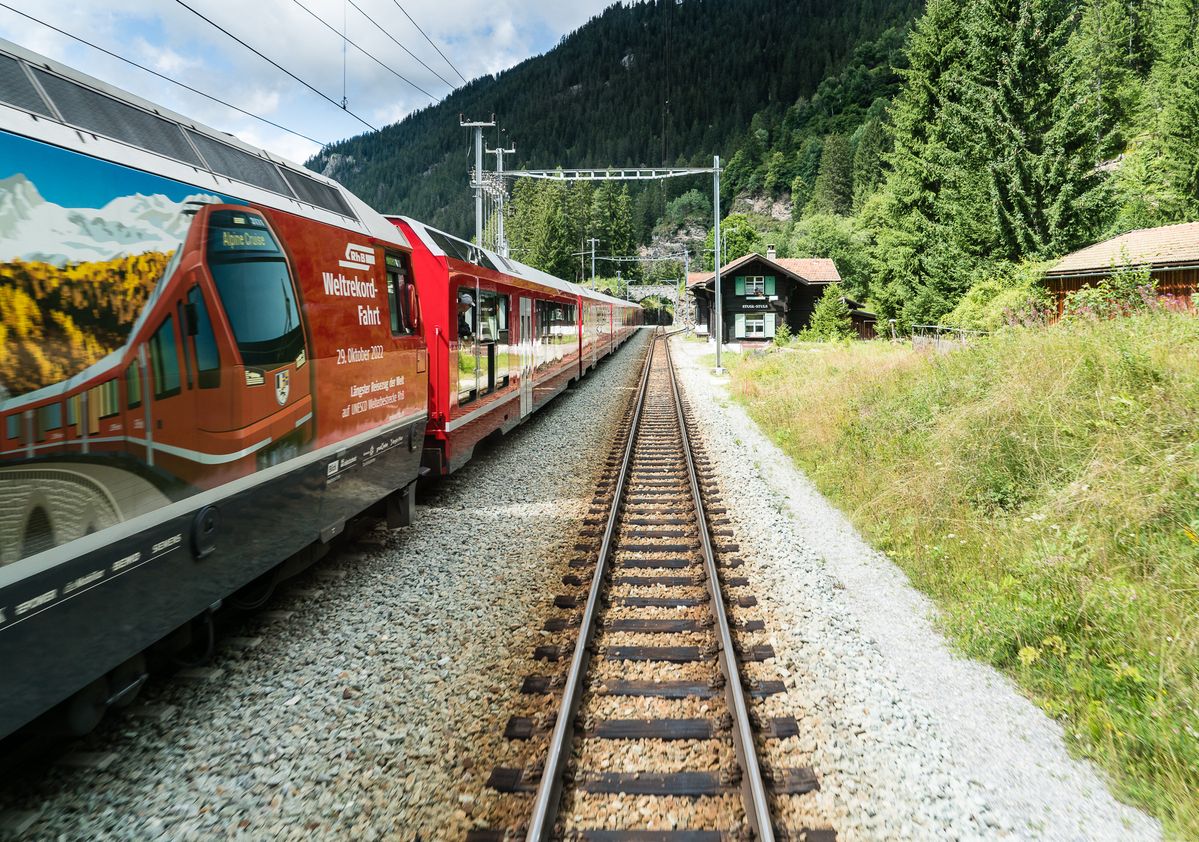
pixel 600 97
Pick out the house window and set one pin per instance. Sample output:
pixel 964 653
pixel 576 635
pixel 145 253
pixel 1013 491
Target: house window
pixel 755 326
pixel 755 285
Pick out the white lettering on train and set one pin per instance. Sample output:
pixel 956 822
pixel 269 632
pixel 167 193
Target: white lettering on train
pixel 339 284
pixel 37 602
pixel 121 563
pixel 369 316
pixel 83 581
pixel 358 257
pixel 166 544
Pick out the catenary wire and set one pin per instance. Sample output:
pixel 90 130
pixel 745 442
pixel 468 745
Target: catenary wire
pixel 418 59
pixel 362 50
pixel 430 40
pixel 162 76
pixel 276 65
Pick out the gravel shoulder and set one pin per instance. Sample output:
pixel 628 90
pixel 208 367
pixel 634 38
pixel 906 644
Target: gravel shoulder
pixel 375 708
pixel 910 740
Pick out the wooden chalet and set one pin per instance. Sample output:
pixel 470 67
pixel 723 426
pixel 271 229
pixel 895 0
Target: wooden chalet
pixel 760 293
pixel 1170 253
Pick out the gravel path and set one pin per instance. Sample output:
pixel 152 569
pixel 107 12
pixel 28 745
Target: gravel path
pixel 910 740
pixel 375 709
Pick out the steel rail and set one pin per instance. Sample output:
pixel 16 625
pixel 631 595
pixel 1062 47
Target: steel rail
pixel 753 788
pixel 549 788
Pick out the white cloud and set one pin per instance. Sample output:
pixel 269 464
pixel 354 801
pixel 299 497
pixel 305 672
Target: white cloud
pixel 479 37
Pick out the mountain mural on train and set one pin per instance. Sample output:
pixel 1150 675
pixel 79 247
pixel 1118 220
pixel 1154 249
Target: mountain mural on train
pixel 123 298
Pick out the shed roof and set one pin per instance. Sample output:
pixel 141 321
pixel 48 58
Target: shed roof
pixel 1164 246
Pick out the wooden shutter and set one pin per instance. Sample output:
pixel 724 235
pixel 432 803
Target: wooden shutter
pixel 770 320
pixel 739 285
pixel 770 284
pixel 739 321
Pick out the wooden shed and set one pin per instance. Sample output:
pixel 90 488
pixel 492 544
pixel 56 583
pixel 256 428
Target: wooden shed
pixel 1170 253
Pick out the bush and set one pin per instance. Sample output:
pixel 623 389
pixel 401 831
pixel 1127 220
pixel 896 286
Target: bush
pixel 1121 293
pixel 782 334
pixel 1007 295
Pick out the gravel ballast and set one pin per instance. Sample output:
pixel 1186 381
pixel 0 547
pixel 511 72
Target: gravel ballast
pixel 369 700
pixel 910 740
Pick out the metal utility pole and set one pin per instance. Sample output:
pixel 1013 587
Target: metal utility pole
pixel 680 298
pixel 719 315
pixel 618 279
pixel 501 240
pixel 593 241
pixel 477 181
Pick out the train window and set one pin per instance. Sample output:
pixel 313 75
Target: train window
pixel 239 164
pixel 72 411
pixel 468 357
pixel 317 193
pixel 493 341
pixel 255 287
pixel 133 386
pixel 104 400
pixel 164 360
pixel 183 325
pixel 104 115
pixel 49 418
pixel 208 358
pixel 16 89
pixel 13 426
pixel 397 295
pixel 452 246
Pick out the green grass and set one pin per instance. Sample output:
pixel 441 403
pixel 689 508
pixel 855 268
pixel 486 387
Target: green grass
pixel 1043 488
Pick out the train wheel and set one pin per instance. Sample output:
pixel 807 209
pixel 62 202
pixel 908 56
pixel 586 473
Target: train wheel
pixel 126 681
pixel 83 711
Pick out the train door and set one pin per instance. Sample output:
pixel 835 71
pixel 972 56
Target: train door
pixel 526 355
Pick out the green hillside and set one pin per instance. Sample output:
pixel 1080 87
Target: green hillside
pixel 647 84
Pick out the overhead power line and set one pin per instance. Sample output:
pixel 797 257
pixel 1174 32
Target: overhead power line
pixel 362 50
pixel 419 60
pixel 276 65
pixel 163 76
pixel 430 40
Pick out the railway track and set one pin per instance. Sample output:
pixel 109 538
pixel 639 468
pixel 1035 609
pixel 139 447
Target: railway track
pixel 659 732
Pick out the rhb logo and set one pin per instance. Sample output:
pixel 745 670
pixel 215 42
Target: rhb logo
pixel 282 386
pixel 358 257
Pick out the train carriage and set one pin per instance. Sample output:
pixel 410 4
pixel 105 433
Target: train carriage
pixel 211 362
pixel 504 339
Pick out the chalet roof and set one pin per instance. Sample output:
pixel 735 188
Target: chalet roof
pixel 816 270
pixel 807 270
pixel 1168 245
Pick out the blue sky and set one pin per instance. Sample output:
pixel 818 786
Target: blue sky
pixel 478 36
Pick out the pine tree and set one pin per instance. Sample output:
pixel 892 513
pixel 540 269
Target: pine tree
pixel 916 260
pixel 1159 180
pixel 867 162
pixel 830 317
pixel 1028 117
pixel 833 191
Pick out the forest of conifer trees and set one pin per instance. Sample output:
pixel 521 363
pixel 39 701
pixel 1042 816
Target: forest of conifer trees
pixel 954 150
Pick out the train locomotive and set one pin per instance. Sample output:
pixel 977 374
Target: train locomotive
pixel 212 361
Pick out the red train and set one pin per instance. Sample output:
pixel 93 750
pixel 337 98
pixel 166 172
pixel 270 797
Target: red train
pixel 504 339
pixel 212 361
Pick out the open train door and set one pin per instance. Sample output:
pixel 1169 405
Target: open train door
pixel 526 355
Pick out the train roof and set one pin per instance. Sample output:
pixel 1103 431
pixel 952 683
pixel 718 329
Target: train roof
pixel 48 101
pixel 447 245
